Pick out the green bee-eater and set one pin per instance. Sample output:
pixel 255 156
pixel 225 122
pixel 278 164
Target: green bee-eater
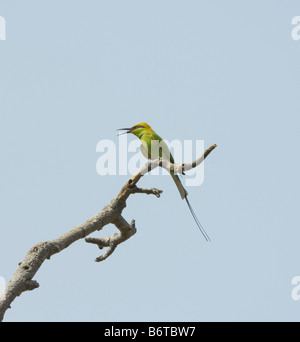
pixel 153 147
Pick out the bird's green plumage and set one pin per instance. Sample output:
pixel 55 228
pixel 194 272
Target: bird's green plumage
pixel 154 147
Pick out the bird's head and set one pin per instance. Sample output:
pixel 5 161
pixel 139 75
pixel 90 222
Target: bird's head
pixel 137 130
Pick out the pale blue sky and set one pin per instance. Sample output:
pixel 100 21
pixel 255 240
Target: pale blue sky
pixel 71 73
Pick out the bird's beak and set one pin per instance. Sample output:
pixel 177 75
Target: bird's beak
pixel 124 129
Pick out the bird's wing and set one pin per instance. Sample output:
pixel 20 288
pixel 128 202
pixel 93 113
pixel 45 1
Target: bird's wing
pixel 144 149
pixel 162 149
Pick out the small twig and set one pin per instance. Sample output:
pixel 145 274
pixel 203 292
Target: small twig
pixel 126 230
pixel 106 254
pixel 153 191
pixel 31 285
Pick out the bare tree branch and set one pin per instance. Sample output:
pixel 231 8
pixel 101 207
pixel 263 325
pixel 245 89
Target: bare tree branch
pixel 23 281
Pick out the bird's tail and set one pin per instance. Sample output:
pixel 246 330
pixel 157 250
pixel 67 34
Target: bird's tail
pixel 197 221
pixel 184 194
pixel 181 189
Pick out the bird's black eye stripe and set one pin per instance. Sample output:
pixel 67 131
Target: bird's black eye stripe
pixel 138 126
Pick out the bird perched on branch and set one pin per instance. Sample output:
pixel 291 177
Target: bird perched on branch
pixel 154 147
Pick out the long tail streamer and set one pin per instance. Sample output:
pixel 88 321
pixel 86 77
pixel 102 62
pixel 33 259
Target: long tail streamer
pixel 197 221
